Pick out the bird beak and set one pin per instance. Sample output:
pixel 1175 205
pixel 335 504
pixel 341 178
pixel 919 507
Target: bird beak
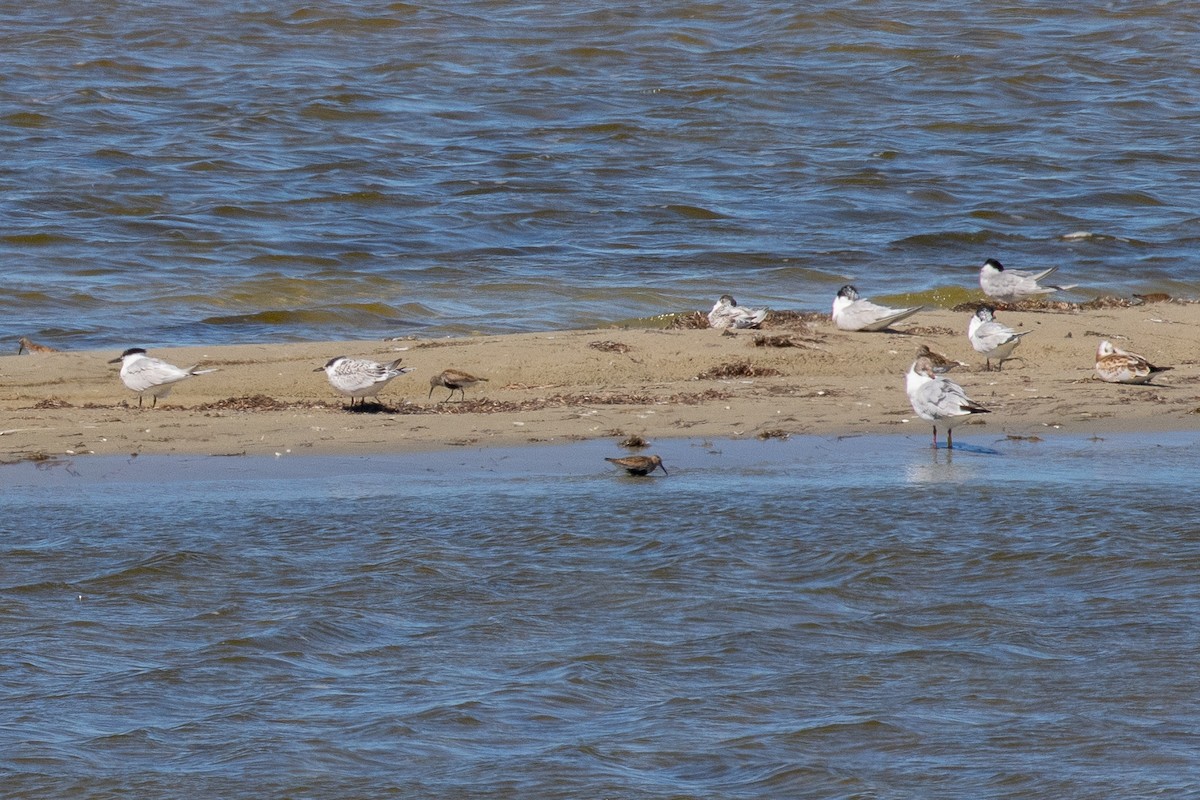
pixel 20 349
pixel 116 360
pixel 664 469
pixel 319 369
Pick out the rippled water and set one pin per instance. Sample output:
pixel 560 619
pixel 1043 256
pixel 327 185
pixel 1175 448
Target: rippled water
pixel 813 618
pixel 211 172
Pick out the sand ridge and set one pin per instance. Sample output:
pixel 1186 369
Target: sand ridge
pixel 799 375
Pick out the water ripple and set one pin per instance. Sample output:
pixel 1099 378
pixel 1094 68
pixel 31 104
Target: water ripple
pixel 702 146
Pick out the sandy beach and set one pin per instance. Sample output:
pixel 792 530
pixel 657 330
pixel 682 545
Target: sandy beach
pixel 798 375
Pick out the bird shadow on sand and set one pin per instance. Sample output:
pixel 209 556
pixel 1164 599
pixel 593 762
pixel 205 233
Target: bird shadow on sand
pixel 369 408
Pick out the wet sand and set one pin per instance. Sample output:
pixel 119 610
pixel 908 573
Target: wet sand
pixel 799 375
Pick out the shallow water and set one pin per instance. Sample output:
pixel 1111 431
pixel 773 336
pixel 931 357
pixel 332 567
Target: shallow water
pixel 860 617
pixel 187 173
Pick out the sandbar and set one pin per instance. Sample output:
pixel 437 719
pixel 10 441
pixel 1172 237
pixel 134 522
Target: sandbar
pixel 798 375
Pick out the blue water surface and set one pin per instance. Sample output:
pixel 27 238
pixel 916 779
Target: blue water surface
pixel 812 618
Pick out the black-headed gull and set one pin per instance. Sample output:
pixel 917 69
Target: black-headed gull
pixel 939 400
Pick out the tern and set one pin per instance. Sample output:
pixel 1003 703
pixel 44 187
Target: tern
pixel 852 313
pixel 991 338
pixel 360 377
pixel 1011 285
pixel 726 313
pixel 153 376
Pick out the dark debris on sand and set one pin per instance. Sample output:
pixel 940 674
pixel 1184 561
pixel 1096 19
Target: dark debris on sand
pixel 693 320
pixel 738 369
pixel 805 392
pixel 42 461
pixel 809 342
pixel 264 403
pixel 254 402
pixel 780 320
pixel 1063 307
pixel 489 406
pixel 610 347
pixel 51 403
pixel 929 330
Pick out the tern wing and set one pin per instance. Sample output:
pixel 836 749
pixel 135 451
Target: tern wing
pixel 1033 276
pixel 353 375
pixel 863 315
pixel 992 335
pixel 750 318
pixel 720 318
pixel 145 373
pixel 941 399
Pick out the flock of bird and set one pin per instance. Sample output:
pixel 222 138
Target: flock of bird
pixel 934 397
pixel 356 378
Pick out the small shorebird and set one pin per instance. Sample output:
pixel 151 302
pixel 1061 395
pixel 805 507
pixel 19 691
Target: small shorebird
pixel 991 338
pixel 1115 365
pixel 360 377
pixel 639 465
pixel 938 400
pixel 1011 285
pixel 940 363
pixel 726 313
pixel 852 313
pixel 24 344
pixel 143 374
pixel 455 380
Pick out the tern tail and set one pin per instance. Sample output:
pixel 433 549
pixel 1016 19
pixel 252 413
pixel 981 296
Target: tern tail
pixel 892 319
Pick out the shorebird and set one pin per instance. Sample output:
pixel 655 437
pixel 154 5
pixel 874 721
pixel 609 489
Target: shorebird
pixel 143 374
pixel 24 344
pixel 455 380
pixel 360 377
pixel 638 465
pixel 940 363
pixel 726 313
pixel 1115 365
pixel 991 338
pixel 852 313
pixel 1011 285
pixel 938 400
